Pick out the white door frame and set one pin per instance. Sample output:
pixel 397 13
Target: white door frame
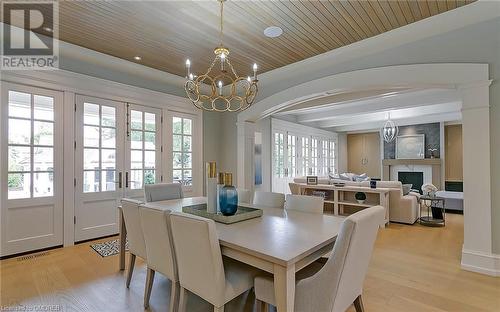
pixel 471 81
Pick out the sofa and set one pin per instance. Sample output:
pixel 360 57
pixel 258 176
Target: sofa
pixel 402 208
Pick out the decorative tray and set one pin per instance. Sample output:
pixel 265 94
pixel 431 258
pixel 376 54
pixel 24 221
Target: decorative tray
pixel 242 214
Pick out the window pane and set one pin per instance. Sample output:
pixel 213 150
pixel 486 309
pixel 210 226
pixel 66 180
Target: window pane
pixel 108 159
pixel 90 114
pixel 149 159
pixel 91 158
pixel 91 181
pixel 43 159
pixel 177 160
pixel 19 158
pixel 149 177
pixel 43 184
pixel 136 139
pixel 186 160
pixel 135 120
pixel 19 104
pixel 19 131
pixel 108 137
pixel 108 117
pixel 136 159
pixel 177 125
pixel 90 136
pixel 108 180
pixel 135 179
pixel 188 179
pixel 149 121
pixel 187 126
pixel 177 175
pixel 187 144
pixel 150 140
pixel 43 133
pixel 19 185
pixel 177 142
pixel 44 107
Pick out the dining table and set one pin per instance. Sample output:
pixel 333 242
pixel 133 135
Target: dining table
pixel 280 242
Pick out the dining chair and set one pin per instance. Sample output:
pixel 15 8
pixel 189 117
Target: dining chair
pixel 160 252
pixel 269 199
pixel 135 236
pixel 202 270
pixel 244 196
pixel 304 203
pixel 162 191
pixel 338 284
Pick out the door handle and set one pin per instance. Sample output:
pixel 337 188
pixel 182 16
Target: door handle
pixel 120 179
pixel 126 179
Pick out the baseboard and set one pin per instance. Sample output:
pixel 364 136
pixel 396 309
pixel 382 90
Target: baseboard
pixel 479 262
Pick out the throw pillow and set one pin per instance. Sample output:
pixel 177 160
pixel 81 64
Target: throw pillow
pixel 407 188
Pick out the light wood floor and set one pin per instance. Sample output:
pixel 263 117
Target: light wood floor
pixel 413 268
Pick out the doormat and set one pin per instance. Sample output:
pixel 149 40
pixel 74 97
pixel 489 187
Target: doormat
pixel 109 248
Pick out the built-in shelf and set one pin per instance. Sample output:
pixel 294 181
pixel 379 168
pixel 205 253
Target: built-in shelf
pixel 366 205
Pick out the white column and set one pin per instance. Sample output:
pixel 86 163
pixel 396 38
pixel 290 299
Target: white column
pixel 477 249
pixel 246 149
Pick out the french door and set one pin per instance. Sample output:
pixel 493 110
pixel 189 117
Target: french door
pixel 117 151
pixel 31 162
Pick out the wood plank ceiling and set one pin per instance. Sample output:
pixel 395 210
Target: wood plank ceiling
pixel 165 33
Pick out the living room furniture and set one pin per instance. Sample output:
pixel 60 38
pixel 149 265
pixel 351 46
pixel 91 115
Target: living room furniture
pixel 453 200
pixel 339 283
pixel 363 150
pixel 254 242
pixel 436 211
pixel 342 201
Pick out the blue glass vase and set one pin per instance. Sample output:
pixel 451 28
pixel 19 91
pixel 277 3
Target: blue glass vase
pixel 228 200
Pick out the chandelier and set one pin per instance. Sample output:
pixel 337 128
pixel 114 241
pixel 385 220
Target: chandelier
pixel 221 89
pixel 390 130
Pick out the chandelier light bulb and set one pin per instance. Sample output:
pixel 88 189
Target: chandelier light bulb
pixel 255 71
pixel 188 63
pixel 249 79
pixel 220 87
pixel 188 68
pixel 191 76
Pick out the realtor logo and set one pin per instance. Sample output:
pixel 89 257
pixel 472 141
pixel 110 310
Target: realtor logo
pixel 28 32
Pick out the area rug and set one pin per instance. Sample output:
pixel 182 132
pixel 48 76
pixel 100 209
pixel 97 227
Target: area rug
pixel 109 248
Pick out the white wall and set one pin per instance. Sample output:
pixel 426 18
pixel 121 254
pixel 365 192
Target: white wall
pixel 342 137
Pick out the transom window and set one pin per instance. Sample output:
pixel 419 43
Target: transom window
pixel 99 148
pixel 30 145
pixel 142 149
pixel 182 150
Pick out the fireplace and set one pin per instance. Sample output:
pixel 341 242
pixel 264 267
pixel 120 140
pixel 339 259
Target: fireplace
pixel 415 178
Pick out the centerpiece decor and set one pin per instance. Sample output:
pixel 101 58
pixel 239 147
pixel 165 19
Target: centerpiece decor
pixel 223 90
pixel 228 196
pixel 360 197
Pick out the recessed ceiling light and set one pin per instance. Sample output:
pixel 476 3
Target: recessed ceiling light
pixel 48 29
pixel 273 31
pixel 137 58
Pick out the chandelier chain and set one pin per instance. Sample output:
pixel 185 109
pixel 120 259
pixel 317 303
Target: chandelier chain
pixel 221 21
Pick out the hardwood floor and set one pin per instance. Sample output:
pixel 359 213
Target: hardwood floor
pixel 414 268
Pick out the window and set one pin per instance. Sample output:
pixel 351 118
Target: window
pixel 331 158
pixel 99 148
pixel 30 145
pixel 292 157
pixel 305 155
pixel 182 150
pixel 142 138
pixel 279 157
pixel 313 169
pixel 324 158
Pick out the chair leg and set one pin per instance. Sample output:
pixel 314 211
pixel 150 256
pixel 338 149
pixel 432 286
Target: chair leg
pixel 219 309
pixel 182 299
pixel 131 265
pixel 261 306
pixel 150 276
pixel 358 304
pixel 174 296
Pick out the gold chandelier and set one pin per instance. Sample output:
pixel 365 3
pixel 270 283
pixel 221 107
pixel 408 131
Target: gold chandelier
pixel 224 90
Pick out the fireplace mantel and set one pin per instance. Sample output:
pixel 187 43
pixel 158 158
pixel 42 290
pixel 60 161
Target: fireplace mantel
pixel 435 163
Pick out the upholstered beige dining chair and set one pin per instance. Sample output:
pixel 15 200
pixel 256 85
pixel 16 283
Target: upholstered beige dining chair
pixel 136 245
pixel 294 188
pixel 244 196
pixel 160 252
pixel 339 283
pixel 269 199
pixel 202 270
pixel 162 191
pixel 304 203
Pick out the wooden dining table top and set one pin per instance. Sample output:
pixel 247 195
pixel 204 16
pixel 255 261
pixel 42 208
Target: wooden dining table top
pixel 279 236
